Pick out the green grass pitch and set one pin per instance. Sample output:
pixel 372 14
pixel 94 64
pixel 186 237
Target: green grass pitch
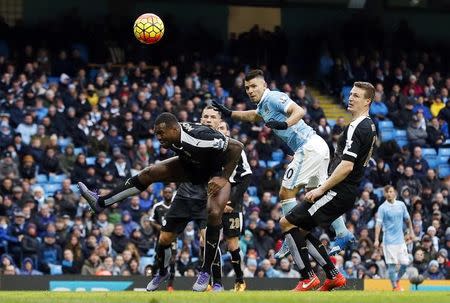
pixel 225 297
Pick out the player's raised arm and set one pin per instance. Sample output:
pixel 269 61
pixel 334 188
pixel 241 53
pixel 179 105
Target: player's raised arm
pixel 244 115
pixel 294 114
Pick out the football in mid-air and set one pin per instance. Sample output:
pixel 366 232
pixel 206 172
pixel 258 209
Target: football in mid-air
pixel 148 28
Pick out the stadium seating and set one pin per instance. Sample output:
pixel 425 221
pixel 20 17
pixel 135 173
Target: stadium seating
pixel 63 142
pixel 262 163
pixel 386 130
pixel 379 192
pixel 444 170
pixel 252 190
pixel 78 150
pixel 272 164
pixel 277 155
pixel 41 178
pixel 56 178
pixel 90 160
pixel 443 155
pixel 400 137
pixel 331 123
pixel 74 188
pixel 255 200
pixel 50 188
pixel 345 93
pixel 430 155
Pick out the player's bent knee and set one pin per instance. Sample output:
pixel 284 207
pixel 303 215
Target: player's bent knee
pixel 214 212
pixel 285 224
pixel 286 193
pixel 233 243
pixel 148 171
pixel 166 238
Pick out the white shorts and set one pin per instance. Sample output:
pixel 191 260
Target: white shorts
pixel 309 166
pixel 396 254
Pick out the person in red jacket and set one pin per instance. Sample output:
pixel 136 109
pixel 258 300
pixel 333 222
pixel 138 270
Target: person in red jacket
pixel 418 89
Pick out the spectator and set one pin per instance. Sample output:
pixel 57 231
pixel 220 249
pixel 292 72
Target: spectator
pixel 414 86
pixel 268 183
pixel 269 271
pixel 49 253
pixel 405 117
pixel 119 239
pixel 315 111
pixel 50 163
pixel 27 129
pixel 286 271
pixel 409 180
pixel 69 264
pixel 8 168
pixel 378 110
pixel 30 244
pixel 416 135
pixel 435 137
pixel 433 272
pixel 380 175
pixel 28 268
pixel 91 265
pixel 67 160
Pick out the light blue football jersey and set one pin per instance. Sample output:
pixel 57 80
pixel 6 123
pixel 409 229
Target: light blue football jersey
pixel 391 216
pixel 273 107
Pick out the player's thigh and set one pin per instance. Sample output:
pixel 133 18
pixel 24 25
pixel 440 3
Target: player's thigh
pixel 174 225
pixel 171 169
pixel 331 206
pixel 309 166
pixel 217 201
pixel 233 224
pixel 300 217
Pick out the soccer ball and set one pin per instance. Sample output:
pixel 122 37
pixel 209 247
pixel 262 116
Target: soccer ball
pixel 148 28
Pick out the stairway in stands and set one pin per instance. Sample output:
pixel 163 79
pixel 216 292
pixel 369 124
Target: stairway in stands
pixel 332 109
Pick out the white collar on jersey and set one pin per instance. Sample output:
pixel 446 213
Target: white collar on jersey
pixel 264 95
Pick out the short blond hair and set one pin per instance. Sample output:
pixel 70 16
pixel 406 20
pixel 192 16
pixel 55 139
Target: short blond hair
pixel 369 89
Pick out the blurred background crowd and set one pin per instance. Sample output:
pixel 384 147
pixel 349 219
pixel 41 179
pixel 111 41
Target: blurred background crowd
pixel 63 120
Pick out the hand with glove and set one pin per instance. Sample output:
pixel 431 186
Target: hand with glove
pixel 226 113
pixel 277 125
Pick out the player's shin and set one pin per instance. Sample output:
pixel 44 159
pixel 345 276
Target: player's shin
pixel 163 256
pixel 319 253
pixel 217 268
pixel 236 261
pixel 132 186
pixel 401 271
pixel 299 251
pixel 211 245
pixel 392 272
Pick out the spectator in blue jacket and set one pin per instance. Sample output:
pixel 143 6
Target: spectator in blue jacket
pixel 49 253
pixel 378 110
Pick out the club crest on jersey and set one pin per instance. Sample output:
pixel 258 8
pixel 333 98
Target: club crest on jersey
pixel 283 99
pixel 266 109
pixel 187 126
pixel 218 143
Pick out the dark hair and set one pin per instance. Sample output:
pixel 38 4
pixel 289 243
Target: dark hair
pixel 227 125
pixel 388 187
pixel 214 109
pixel 369 90
pixel 256 73
pixel 167 118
